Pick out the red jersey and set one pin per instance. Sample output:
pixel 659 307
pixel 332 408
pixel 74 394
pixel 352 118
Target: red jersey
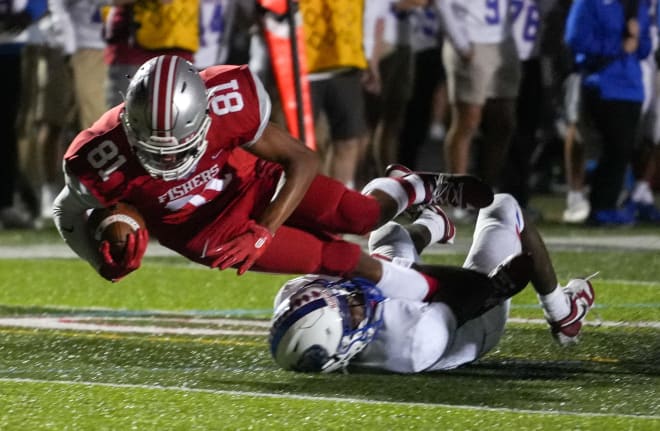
pixel 184 214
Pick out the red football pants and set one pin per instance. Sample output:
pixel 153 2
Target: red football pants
pixel 308 243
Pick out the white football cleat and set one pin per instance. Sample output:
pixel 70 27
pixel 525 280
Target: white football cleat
pixel 581 297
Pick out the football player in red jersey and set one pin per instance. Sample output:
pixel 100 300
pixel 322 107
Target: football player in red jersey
pixel 218 183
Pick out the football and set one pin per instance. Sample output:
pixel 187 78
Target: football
pixel 114 224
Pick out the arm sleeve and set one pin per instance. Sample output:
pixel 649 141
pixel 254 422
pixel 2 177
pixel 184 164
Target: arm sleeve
pixel 70 217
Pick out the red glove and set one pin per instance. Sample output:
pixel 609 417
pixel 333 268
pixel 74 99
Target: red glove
pixel 245 248
pixel 136 245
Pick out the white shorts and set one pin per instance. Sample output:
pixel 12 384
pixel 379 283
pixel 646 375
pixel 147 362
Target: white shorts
pixel 495 238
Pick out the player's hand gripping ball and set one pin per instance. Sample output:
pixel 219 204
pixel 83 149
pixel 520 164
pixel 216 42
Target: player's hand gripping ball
pixel 121 236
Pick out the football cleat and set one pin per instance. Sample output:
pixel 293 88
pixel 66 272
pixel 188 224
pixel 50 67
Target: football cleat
pixel 577 209
pixel 648 213
pixel 462 191
pixel 581 296
pixel 457 190
pixel 612 217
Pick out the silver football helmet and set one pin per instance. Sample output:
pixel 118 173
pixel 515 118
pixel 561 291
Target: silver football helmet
pixel 324 324
pixel 166 117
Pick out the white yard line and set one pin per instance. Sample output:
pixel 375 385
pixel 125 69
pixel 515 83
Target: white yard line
pixel 77 324
pixel 252 394
pixel 627 242
pixel 238 327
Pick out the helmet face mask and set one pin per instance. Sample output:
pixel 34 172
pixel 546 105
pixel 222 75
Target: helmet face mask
pixel 166 117
pixel 324 324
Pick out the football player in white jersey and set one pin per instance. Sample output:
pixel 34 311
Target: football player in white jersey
pixel 324 324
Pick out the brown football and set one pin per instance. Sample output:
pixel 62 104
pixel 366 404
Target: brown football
pixel 113 224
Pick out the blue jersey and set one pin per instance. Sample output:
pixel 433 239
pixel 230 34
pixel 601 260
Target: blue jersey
pixel 595 30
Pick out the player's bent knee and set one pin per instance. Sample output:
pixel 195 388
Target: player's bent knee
pixel 504 207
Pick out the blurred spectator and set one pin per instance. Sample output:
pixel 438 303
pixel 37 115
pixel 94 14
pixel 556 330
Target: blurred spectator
pixel 527 18
pixel 213 17
pixel 609 40
pixel 335 61
pixel 137 30
pixel 79 25
pixel 48 111
pixel 644 167
pixel 15 16
pixel 483 75
pixel 388 82
pixel 560 125
pixel 226 30
pixel 427 86
pixel 64 62
pixel 575 158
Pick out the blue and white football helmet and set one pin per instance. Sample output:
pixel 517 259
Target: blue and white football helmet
pixel 315 328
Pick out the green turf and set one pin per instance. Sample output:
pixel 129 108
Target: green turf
pixel 96 380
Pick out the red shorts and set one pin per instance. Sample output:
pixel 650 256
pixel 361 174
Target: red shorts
pixel 308 242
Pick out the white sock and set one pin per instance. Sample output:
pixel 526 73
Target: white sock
pixel 418 185
pixel 642 193
pixel 435 224
pixel 402 282
pixel 574 196
pixel 555 304
pixel 392 187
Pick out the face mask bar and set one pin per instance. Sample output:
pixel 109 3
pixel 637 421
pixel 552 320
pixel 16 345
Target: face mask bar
pixel 156 153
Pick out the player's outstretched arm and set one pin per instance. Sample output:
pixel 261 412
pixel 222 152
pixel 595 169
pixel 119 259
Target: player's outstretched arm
pixel 300 167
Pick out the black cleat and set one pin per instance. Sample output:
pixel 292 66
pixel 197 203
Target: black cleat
pixel 462 191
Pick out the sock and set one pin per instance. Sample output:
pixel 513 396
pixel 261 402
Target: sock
pixel 415 187
pixel 555 304
pixel 642 193
pixel 574 196
pixel 405 191
pixel 437 225
pixel 401 282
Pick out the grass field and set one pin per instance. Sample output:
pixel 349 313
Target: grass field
pixel 178 346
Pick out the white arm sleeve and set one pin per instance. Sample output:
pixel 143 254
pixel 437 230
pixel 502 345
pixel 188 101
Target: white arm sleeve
pixel 70 217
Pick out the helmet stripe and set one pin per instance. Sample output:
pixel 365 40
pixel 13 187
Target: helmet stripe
pixel 163 93
pixel 280 328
